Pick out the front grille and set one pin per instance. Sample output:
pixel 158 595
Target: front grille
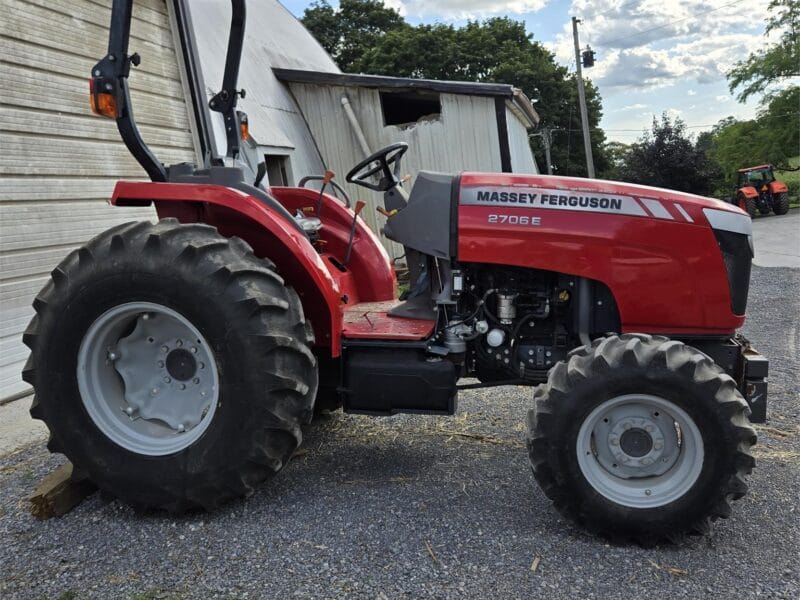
pixel 737 256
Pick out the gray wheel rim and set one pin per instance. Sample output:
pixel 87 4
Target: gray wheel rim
pixel 148 378
pixel 640 450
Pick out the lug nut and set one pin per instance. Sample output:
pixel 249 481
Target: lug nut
pixel 196 380
pixel 161 364
pixel 647 492
pixel 165 348
pixel 154 391
pixel 179 343
pixel 167 379
pixel 202 365
pixel 614 441
pixel 182 386
pixel 130 410
pixel 113 355
pixel 194 350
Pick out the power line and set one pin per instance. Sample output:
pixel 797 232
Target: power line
pixel 692 16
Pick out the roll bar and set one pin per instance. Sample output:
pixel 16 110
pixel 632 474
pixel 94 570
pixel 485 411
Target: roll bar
pixel 225 100
pixel 110 93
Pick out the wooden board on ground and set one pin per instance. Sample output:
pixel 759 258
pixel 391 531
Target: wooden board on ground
pixel 59 493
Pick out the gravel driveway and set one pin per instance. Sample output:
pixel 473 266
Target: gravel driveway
pixel 419 507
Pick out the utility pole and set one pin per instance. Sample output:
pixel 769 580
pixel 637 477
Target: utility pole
pixel 587 140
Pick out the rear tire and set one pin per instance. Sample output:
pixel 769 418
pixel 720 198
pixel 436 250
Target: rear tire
pixel 749 205
pixel 640 438
pixel 178 314
pixel 781 204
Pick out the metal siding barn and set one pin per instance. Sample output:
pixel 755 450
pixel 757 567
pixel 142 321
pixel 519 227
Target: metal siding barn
pixel 59 162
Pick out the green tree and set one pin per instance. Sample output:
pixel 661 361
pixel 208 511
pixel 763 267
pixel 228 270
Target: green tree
pixel 349 32
pixel 766 67
pixel 497 50
pixel 616 154
pixel 667 157
pixel 772 137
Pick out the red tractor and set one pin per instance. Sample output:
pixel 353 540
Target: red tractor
pixel 758 192
pixel 176 363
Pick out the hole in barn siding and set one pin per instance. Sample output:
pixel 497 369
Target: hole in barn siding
pixel 406 108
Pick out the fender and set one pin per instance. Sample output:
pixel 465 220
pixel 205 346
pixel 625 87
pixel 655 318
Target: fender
pixel 748 192
pixel 370 266
pixel 778 187
pixel 235 213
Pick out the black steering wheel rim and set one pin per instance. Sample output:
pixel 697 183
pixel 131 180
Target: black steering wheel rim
pixel 385 157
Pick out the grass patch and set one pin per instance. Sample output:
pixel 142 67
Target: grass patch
pixel 792 180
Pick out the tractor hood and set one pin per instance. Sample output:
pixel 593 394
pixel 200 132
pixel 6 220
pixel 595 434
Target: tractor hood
pixel 599 196
pixel 695 251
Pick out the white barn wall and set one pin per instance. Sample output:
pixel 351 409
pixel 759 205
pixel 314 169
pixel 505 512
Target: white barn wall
pixel 59 162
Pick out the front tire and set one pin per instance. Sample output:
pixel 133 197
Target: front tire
pixel 749 205
pixel 640 438
pixel 171 365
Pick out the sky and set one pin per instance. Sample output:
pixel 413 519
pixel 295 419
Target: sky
pixel 652 56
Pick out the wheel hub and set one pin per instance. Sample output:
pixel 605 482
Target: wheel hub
pixel 162 364
pixel 636 442
pixel 181 365
pixel 639 450
pixel 147 378
pixel 632 441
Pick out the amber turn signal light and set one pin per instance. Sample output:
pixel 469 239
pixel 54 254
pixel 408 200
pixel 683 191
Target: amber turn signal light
pixel 244 129
pixel 103 103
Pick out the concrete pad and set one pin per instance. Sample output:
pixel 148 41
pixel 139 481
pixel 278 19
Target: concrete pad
pixel 17 428
pixel 777 240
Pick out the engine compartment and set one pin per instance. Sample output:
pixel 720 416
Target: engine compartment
pixel 514 324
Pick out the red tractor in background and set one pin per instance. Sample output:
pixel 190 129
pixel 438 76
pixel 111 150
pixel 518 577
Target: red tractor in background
pixel 176 363
pixel 758 192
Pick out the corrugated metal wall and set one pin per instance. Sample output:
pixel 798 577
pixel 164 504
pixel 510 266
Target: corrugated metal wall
pixel 463 138
pixel 521 156
pixel 58 162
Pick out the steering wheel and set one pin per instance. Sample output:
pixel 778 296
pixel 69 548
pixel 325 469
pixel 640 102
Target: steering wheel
pixel 385 157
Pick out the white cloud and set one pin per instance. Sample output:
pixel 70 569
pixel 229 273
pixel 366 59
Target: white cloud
pixel 691 93
pixel 637 106
pixel 465 9
pixel 654 43
pixel 723 98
